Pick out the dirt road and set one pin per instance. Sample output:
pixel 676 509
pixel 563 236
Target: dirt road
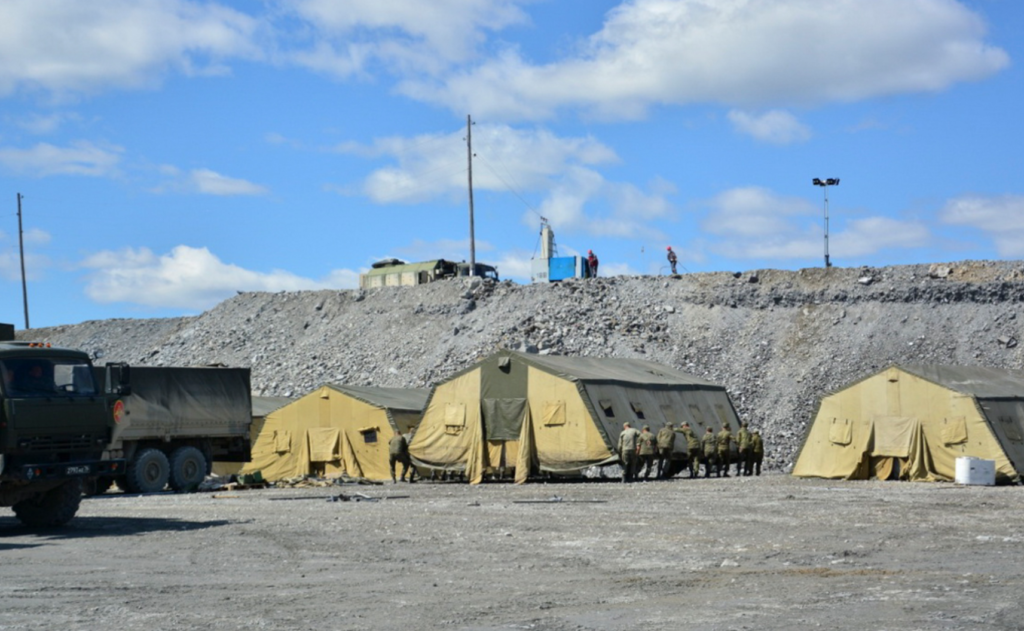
pixel 751 553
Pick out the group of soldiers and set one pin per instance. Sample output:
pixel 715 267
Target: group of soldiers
pixel 641 451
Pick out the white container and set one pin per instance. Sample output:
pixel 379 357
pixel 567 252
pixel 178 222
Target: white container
pixel 975 471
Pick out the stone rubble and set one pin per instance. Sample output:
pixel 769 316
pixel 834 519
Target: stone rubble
pixel 778 340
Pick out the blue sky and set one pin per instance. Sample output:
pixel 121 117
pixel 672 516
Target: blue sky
pixel 173 152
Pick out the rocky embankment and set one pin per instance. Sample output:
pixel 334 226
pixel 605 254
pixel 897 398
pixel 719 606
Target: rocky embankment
pixel 778 340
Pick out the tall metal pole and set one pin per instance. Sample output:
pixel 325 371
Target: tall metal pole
pixel 827 262
pixel 21 246
pixel 824 184
pixel 472 232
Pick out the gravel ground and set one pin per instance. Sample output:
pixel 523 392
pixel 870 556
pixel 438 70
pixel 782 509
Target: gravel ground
pixel 771 552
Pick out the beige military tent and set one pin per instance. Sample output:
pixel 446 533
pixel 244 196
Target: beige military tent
pixel 913 422
pixel 335 430
pixel 261 407
pixel 558 415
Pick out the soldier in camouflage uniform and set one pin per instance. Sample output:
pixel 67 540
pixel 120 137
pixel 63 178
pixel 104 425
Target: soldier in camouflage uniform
pixel 724 443
pixel 648 448
pixel 692 450
pixel 398 451
pixel 628 440
pixel 743 461
pixel 756 451
pixel 710 443
pixel 666 443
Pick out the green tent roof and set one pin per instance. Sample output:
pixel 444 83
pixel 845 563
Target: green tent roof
pixel 613 370
pixel 977 381
pixel 261 406
pixel 407 399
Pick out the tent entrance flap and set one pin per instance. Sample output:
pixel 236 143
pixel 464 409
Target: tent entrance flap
pixel 893 435
pixel 503 418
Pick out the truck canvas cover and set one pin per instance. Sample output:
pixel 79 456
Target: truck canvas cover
pixel 187 401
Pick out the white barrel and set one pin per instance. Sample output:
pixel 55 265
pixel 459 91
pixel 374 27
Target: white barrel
pixel 975 471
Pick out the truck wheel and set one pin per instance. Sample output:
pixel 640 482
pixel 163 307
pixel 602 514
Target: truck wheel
pixel 148 472
pixel 96 486
pixel 55 507
pixel 188 469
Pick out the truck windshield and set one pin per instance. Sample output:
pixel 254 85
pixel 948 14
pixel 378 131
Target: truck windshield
pixel 46 377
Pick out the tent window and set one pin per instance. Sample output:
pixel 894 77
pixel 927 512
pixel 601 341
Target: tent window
pixel 840 432
pixel 1011 429
pixel 554 413
pixel 606 406
pixel 669 414
pixel 954 431
pixel 454 418
pixel 505 364
pixel 369 435
pixel 455 414
pixel 723 418
pixel 698 416
pixel 282 441
pixel 638 410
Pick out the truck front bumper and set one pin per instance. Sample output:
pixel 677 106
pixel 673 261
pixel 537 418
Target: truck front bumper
pixel 57 470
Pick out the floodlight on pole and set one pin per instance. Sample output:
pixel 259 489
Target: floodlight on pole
pixel 824 184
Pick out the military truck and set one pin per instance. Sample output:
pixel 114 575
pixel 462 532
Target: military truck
pixel 398 273
pixel 56 420
pixel 176 422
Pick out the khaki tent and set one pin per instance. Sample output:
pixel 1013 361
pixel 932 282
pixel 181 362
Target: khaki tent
pixel 913 422
pixel 335 430
pixel 261 407
pixel 544 414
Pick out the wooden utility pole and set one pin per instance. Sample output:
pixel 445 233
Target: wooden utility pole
pixel 21 246
pixel 472 235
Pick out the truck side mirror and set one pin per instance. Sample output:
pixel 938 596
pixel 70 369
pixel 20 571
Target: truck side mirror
pixel 119 379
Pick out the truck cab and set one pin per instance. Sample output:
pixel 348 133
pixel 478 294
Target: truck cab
pixel 55 422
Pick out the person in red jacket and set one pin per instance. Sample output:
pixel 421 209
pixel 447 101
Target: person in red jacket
pixel 592 264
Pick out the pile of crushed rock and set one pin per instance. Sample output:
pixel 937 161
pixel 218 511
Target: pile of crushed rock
pixel 778 340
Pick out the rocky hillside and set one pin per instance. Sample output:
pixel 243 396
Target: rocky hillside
pixel 777 340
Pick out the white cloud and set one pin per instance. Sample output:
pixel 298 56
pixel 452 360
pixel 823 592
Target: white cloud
pixel 69 46
pixel 1002 217
pixel 36 263
pixel 431 165
pixel 41 124
pixel 450 249
pixel 737 52
pixel 81 158
pixel 753 212
pixel 188 278
pixel 755 223
pixel 405 35
pixel 211 183
pixel 776 127
pixel 617 269
pixel 35 236
pixel 515 265
pixel 205 182
pixel 866 236
pixel 524 164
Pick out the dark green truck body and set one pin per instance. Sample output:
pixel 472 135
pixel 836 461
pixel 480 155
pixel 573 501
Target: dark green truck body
pixel 56 420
